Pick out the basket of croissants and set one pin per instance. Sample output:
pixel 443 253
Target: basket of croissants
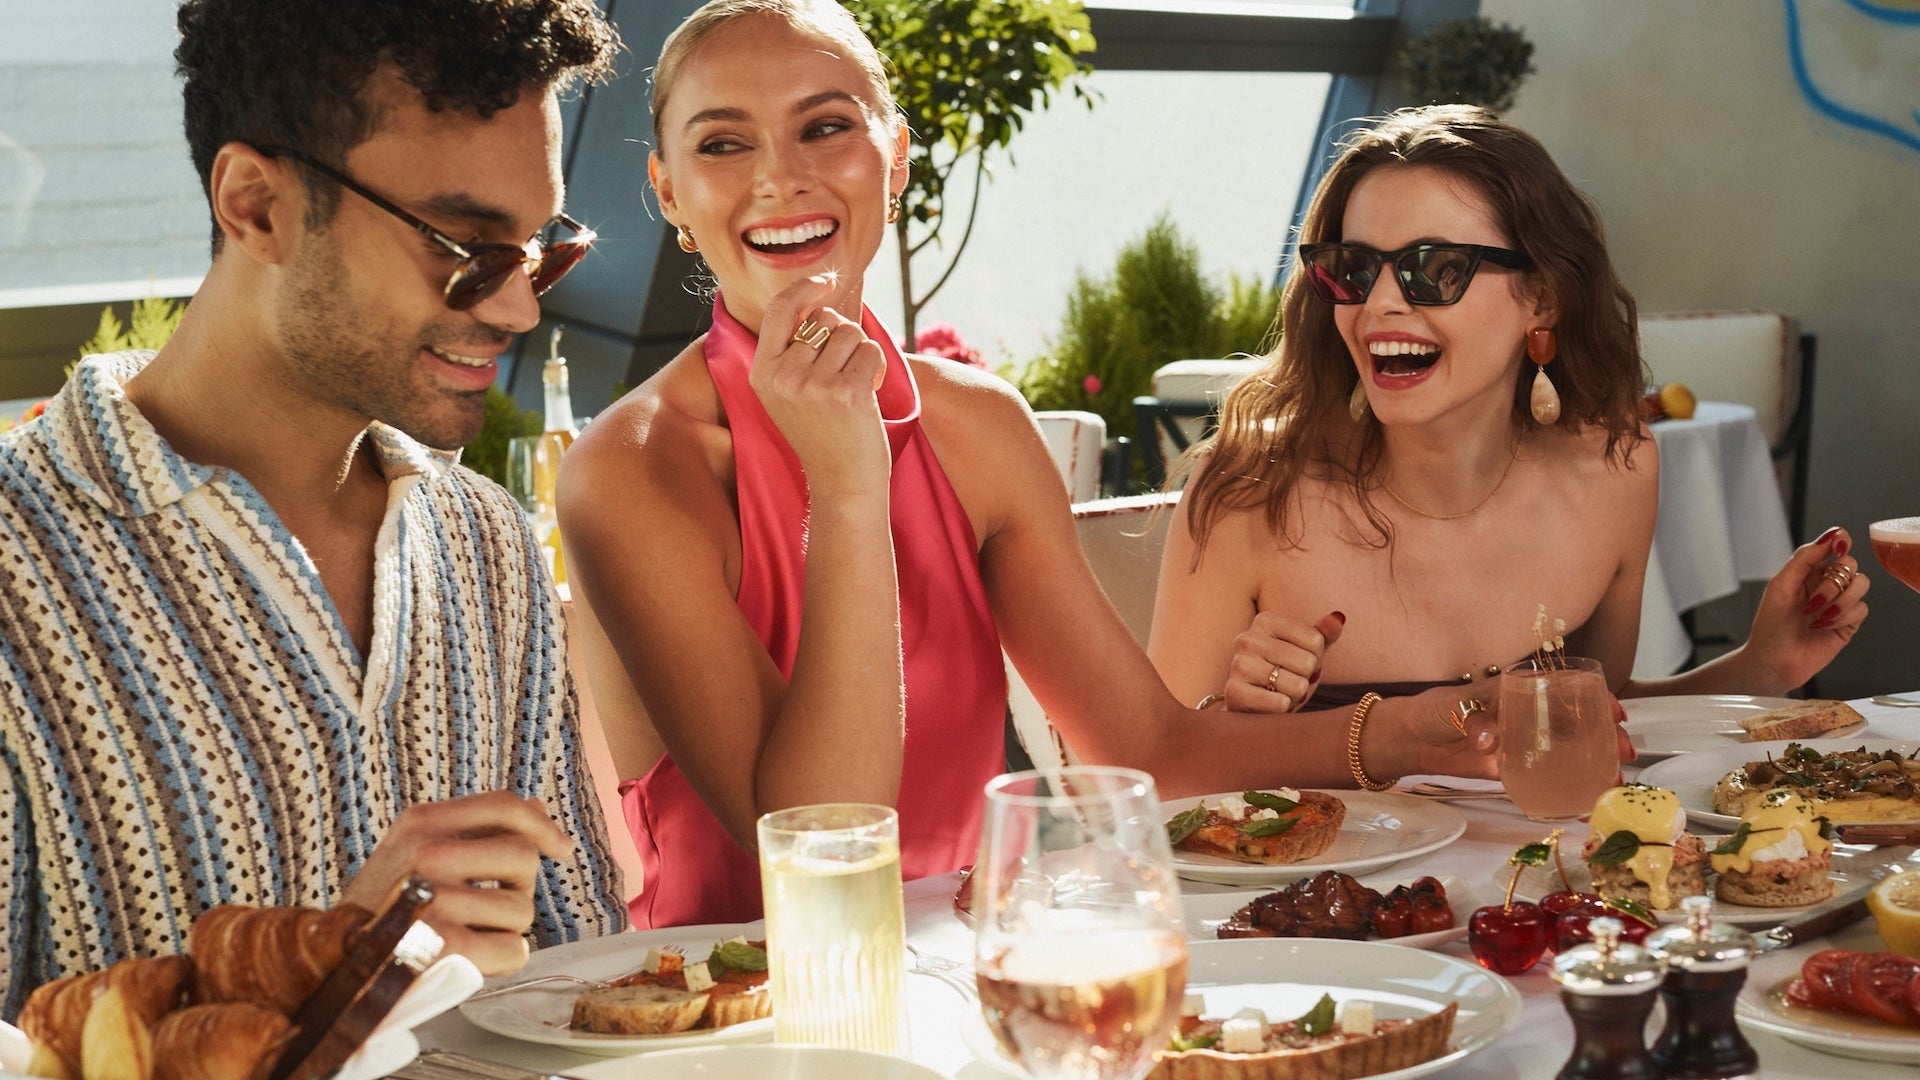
pixel 264 994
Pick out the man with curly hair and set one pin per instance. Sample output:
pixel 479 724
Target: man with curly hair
pixel 261 639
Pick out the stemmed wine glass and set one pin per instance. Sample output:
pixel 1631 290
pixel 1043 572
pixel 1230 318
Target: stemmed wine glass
pixel 1896 543
pixel 1080 953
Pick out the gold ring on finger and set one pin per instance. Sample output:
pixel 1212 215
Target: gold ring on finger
pixel 1273 679
pixel 1457 716
pixel 1840 575
pixel 812 334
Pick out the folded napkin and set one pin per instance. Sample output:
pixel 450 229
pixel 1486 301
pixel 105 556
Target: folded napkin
pixel 451 980
pixel 1451 787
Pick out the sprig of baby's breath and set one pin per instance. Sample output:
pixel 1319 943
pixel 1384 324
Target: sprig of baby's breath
pixel 1549 651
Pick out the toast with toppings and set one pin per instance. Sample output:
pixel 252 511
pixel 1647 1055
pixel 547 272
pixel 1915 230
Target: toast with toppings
pixel 668 995
pixel 1270 828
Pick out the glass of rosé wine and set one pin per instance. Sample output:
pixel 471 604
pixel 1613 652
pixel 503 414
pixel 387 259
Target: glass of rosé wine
pixel 1080 955
pixel 1896 543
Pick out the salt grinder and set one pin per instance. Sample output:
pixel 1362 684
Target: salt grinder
pixel 1706 966
pixel 1608 988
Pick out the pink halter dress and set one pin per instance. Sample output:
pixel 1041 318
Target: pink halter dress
pixel 956 684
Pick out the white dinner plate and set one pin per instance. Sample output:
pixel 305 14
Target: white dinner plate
pixel 1760 1005
pixel 1661 727
pixel 1206 911
pixel 756 1063
pixel 1380 829
pixel 540 1014
pixel 1233 975
pixel 1692 776
pixel 1851 869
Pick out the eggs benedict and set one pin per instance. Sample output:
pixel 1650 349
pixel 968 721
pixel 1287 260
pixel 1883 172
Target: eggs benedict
pixel 1780 855
pixel 1639 848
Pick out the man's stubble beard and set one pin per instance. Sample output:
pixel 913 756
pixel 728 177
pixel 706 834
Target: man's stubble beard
pixel 366 374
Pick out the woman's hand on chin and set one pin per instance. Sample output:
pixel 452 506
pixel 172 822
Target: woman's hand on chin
pixel 815 371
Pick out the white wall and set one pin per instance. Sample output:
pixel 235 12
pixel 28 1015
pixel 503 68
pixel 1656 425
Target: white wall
pixel 1723 187
pixel 1221 153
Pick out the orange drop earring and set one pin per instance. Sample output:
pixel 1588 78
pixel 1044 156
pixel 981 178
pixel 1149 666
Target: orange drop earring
pixel 1541 349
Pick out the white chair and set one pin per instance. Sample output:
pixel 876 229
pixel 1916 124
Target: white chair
pixel 1076 440
pixel 1755 358
pixel 1122 539
pixel 1185 402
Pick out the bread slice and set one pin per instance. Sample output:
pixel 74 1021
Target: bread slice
pixel 1780 882
pixel 1394 1045
pixel 638 1010
pixel 1803 720
pixel 729 1004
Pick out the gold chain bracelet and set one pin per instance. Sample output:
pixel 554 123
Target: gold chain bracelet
pixel 1354 726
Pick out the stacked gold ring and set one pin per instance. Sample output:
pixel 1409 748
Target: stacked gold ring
pixel 1457 716
pixel 1840 574
pixel 1273 679
pixel 812 334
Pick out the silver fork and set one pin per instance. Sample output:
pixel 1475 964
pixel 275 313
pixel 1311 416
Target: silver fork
pixel 1895 701
pixel 544 980
pixel 957 974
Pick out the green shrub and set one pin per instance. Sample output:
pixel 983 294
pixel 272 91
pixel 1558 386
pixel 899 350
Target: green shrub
pixel 487 453
pixel 150 324
pixel 1466 62
pixel 1156 308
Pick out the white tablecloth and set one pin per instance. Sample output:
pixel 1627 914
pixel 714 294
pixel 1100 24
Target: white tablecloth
pixel 940 1017
pixel 1721 523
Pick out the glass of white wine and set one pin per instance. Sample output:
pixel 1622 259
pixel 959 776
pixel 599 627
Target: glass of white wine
pixel 1080 953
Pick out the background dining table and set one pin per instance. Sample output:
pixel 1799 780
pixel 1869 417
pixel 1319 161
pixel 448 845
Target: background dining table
pixel 945 1021
pixel 1721 522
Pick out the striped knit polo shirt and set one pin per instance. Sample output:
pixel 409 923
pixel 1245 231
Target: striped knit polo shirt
pixel 185 721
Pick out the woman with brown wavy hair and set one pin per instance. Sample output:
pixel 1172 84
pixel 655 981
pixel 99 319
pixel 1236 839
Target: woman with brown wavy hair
pixel 1427 463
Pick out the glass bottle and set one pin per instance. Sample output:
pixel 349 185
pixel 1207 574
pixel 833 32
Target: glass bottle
pixel 1608 988
pixel 1706 966
pixel 555 438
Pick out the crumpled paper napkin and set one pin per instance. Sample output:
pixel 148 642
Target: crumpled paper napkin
pixel 450 981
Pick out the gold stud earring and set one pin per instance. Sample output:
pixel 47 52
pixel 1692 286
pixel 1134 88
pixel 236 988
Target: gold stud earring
pixel 687 243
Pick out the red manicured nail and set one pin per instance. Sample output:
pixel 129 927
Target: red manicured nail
pixel 1342 616
pixel 1813 602
pixel 1824 622
pixel 1830 614
pixel 1828 535
pixel 1841 548
pixel 1315 677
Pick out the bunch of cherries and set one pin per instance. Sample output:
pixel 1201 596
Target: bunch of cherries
pixel 1511 937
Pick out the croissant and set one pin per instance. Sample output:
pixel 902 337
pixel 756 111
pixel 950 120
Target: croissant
pixel 235 1041
pixel 103 1016
pixel 270 956
pixel 53 1017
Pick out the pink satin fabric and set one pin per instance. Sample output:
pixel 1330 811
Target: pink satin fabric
pixel 956 684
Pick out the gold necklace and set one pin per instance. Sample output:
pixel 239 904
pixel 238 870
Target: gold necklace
pixel 1468 512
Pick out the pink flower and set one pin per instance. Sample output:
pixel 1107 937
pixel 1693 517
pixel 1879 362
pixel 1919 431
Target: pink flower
pixel 1091 384
pixel 942 340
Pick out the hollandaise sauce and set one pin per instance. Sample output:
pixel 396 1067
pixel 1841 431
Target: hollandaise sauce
pixel 1652 814
pixel 1782 825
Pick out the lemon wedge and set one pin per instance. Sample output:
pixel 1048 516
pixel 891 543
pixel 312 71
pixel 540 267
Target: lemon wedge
pixel 1895 903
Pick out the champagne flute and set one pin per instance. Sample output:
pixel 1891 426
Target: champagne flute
pixel 1558 750
pixel 1080 952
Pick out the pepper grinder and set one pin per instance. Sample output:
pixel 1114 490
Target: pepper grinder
pixel 1706 966
pixel 1608 988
